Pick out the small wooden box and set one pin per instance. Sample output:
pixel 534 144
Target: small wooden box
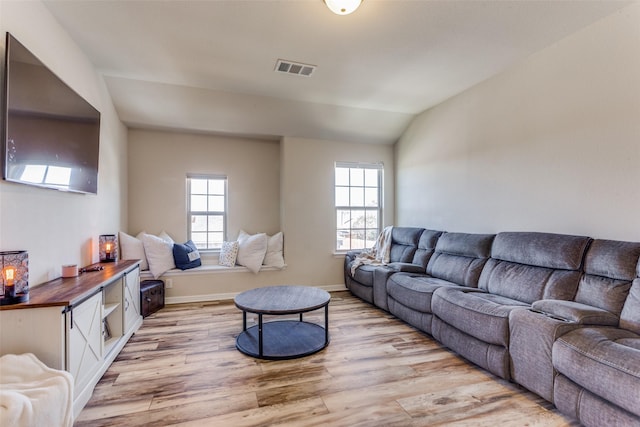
pixel 151 296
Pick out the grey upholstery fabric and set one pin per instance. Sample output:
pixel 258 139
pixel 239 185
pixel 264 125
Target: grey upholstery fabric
pixel 527 283
pixel 426 247
pixel 478 314
pixel 460 257
pixel 609 268
pixel 630 316
pixel 557 251
pixel 414 291
pixel 588 408
pixel 575 312
pixel 602 361
pixel 531 337
pixel 493 358
pixel 524 267
pixel 457 261
pixel 532 266
pixel 380 277
pixel 613 259
pixel 404 243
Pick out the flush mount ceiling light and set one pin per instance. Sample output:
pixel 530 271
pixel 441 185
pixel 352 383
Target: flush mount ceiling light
pixel 342 7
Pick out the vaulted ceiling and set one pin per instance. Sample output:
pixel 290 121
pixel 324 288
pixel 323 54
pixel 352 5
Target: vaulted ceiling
pixel 209 66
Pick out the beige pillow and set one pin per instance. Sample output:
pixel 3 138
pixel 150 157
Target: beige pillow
pixel 274 256
pixel 251 250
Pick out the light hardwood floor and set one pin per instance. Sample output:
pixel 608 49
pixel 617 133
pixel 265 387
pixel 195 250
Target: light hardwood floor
pixel 182 368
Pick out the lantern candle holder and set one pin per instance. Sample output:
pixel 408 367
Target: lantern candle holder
pixel 14 269
pixel 108 244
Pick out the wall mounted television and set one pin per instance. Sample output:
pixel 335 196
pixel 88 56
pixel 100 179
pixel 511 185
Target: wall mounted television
pixel 51 134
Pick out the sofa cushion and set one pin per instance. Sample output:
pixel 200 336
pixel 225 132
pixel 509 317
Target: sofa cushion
pixel 613 259
pixel 630 316
pixel 479 314
pixel 527 283
pixel 558 251
pixel 426 247
pixel 364 274
pixel 460 257
pixel 609 268
pixel 404 242
pixel 414 291
pixel 605 361
pixel 531 266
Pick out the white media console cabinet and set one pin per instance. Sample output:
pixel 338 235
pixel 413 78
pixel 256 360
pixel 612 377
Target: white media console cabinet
pixel 77 324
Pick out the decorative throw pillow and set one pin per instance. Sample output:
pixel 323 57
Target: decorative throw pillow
pixel 251 250
pixel 186 255
pixel 274 256
pixel 132 248
pixel 159 254
pixel 228 254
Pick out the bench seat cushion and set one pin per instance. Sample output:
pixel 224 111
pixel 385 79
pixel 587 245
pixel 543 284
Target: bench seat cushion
pixel 605 361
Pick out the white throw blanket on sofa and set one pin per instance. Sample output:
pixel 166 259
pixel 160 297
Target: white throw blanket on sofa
pixel 378 254
pixel 32 394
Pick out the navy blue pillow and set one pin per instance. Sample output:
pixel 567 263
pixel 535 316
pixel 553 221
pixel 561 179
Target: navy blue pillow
pixel 186 256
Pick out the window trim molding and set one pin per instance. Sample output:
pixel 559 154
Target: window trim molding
pixel 380 208
pixel 225 178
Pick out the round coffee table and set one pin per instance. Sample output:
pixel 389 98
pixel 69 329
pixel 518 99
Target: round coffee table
pixel 282 339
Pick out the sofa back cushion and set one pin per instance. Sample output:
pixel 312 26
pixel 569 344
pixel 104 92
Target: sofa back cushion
pixel 404 243
pixel 630 316
pixel 459 257
pixel 426 247
pixel 609 269
pixel 528 266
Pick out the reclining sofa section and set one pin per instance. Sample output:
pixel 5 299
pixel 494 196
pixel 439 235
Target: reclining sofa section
pixel 558 314
pixel 523 268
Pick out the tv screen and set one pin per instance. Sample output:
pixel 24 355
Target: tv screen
pixel 52 135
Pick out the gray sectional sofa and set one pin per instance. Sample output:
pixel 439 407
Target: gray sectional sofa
pixel 557 314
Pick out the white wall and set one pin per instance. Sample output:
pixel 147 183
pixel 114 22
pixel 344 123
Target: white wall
pixel 308 203
pixel 285 185
pixel 160 161
pixel 55 227
pixel 552 144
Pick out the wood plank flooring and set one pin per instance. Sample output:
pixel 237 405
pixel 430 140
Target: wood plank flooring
pixel 182 368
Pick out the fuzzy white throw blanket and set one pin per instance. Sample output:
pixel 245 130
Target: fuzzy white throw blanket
pixel 32 394
pixel 378 254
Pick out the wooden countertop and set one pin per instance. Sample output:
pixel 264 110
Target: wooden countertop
pixel 64 292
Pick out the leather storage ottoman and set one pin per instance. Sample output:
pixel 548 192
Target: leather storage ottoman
pixel 151 296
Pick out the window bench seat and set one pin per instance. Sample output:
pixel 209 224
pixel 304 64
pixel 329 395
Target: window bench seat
pixel 212 281
pixel 205 269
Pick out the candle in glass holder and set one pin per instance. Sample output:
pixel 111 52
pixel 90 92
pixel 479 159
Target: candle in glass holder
pixel 10 289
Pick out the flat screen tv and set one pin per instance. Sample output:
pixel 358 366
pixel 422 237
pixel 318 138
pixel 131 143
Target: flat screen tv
pixel 51 134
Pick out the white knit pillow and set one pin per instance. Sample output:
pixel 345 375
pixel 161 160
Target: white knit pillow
pixel 228 254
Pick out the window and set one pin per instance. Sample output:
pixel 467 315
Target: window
pixel 358 191
pixel 207 210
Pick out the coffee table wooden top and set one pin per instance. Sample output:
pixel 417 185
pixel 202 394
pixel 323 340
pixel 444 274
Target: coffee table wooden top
pixel 282 299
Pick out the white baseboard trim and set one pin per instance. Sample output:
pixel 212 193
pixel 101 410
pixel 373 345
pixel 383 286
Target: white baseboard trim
pixel 232 295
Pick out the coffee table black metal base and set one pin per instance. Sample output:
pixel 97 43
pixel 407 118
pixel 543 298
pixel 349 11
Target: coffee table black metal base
pixel 282 339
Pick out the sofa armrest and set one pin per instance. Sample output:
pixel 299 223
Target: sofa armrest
pixel 406 267
pixel 575 312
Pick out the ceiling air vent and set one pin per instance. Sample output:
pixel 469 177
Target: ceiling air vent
pixel 297 68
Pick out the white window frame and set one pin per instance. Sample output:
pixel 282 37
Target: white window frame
pixel 379 208
pixel 209 246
